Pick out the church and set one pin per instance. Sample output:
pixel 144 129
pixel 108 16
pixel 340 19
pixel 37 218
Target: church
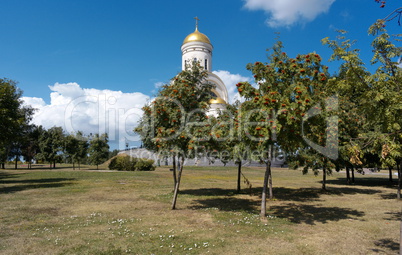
pixel 197 46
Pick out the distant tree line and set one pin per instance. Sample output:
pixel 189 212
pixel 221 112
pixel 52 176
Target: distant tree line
pixel 22 140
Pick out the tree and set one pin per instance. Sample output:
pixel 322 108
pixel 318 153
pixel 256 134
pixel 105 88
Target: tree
pixel 225 142
pixel 51 144
pixel 397 13
pixel 76 146
pixel 174 124
pixel 30 145
pixel 14 117
pixel 378 99
pixel 98 149
pixel 273 112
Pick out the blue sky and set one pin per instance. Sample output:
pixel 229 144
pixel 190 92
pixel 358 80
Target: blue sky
pixel 61 51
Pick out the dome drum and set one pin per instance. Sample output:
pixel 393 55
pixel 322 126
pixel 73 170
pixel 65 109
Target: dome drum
pixel 197 46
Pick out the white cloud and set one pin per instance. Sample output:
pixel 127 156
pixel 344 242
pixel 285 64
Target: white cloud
pixel 34 102
pixel 90 111
pixel 230 81
pixel 103 111
pixel 288 12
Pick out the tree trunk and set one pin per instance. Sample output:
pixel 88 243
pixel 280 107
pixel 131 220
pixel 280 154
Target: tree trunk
pixel 398 194
pixel 400 236
pixel 73 165
pixel 174 171
pixel 3 166
pixel 271 192
pixel 390 174
pixel 324 177
pixel 353 175
pixel 347 175
pixel 264 190
pixel 97 167
pixel 238 176
pixel 54 164
pixel 176 188
pixel 16 162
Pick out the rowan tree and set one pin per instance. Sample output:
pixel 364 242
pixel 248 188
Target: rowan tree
pixel 175 122
pixel 274 109
pixel 225 142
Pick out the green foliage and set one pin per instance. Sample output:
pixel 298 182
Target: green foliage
pixel 98 149
pixel 76 147
pixel 14 118
pixel 287 88
pixel 127 163
pixel 51 143
pixel 174 121
pixel 371 101
pixel 145 165
pixel 30 147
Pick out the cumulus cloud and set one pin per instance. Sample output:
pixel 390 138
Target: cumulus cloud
pixel 103 111
pixel 230 81
pixel 288 12
pixel 90 110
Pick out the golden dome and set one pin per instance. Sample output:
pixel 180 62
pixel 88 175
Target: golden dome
pixel 217 100
pixel 197 37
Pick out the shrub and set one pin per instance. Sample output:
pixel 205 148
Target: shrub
pixel 122 163
pixel 127 163
pixel 145 164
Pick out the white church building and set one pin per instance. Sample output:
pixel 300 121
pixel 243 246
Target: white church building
pixel 197 46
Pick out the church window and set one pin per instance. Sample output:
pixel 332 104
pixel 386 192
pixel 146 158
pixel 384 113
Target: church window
pixel 206 64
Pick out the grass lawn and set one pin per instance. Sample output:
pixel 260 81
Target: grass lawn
pixel 102 212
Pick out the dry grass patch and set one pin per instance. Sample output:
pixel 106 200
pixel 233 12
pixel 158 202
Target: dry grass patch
pixel 90 212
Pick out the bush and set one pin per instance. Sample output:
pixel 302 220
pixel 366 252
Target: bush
pixel 127 163
pixel 145 164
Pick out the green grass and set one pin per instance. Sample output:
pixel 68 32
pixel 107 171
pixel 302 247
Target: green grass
pixel 101 212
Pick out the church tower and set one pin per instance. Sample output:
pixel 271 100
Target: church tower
pixel 197 46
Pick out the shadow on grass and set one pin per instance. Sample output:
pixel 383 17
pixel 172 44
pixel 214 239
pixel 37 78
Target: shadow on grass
pixel 387 244
pixel 282 193
pixel 209 192
pixel 232 203
pixel 34 184
pixel 44 180
pixel 365 181
pixel 393 216
pixel 340 191
pixel 227 204
pixel 310 214
pixel 4 175
pixel 389 195
pixel 300 195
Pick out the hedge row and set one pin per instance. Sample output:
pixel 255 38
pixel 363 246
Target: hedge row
pixel 127 163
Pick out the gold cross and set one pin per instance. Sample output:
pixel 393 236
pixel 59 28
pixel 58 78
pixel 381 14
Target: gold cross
pixel 196 22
